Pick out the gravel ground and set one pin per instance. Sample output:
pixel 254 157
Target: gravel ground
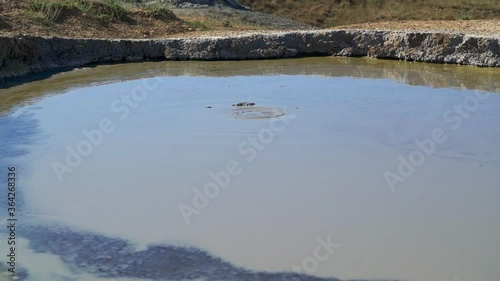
pixel 490 28
pixel 474 27
pixel 242 17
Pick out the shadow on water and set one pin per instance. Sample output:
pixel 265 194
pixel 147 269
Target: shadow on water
pixel 16 131
pixel 115 258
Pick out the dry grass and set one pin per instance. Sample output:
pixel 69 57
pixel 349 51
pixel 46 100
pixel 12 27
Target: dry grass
pixel 115 19
pixel 88 18
pixel 329 13
pixel 152 19
pixel 55 10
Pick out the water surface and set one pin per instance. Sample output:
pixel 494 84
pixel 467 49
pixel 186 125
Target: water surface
pixel 318 171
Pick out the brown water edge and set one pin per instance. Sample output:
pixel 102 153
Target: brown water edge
pixel 412 73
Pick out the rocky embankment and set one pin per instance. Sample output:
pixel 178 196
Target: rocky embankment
pixel 21 56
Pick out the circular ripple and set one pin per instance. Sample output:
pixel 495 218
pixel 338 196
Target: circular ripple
pixel 257 113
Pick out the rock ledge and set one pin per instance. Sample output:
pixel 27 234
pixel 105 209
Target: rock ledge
pixel 25 55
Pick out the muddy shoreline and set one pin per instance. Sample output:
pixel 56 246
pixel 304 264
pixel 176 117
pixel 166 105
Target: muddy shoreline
pixel 25 55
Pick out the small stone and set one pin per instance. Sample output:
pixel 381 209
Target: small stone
pixel 244 104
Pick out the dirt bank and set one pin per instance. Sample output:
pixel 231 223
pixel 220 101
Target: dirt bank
pixel 27 55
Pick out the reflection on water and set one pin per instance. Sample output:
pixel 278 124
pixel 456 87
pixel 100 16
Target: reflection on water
pixel 418 74
pixel 318 171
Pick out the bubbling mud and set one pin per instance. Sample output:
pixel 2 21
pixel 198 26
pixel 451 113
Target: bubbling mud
pixel 257 113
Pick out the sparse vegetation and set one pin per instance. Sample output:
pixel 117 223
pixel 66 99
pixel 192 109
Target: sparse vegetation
pixel 155 7
pixel 54 10
pixel 47 10
pixel 158 10
pixel 328 13
pixel 88 18
pixel 198 25
pixel 154 18
pixel 125 19
pixel 113 8
pixel 465 17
